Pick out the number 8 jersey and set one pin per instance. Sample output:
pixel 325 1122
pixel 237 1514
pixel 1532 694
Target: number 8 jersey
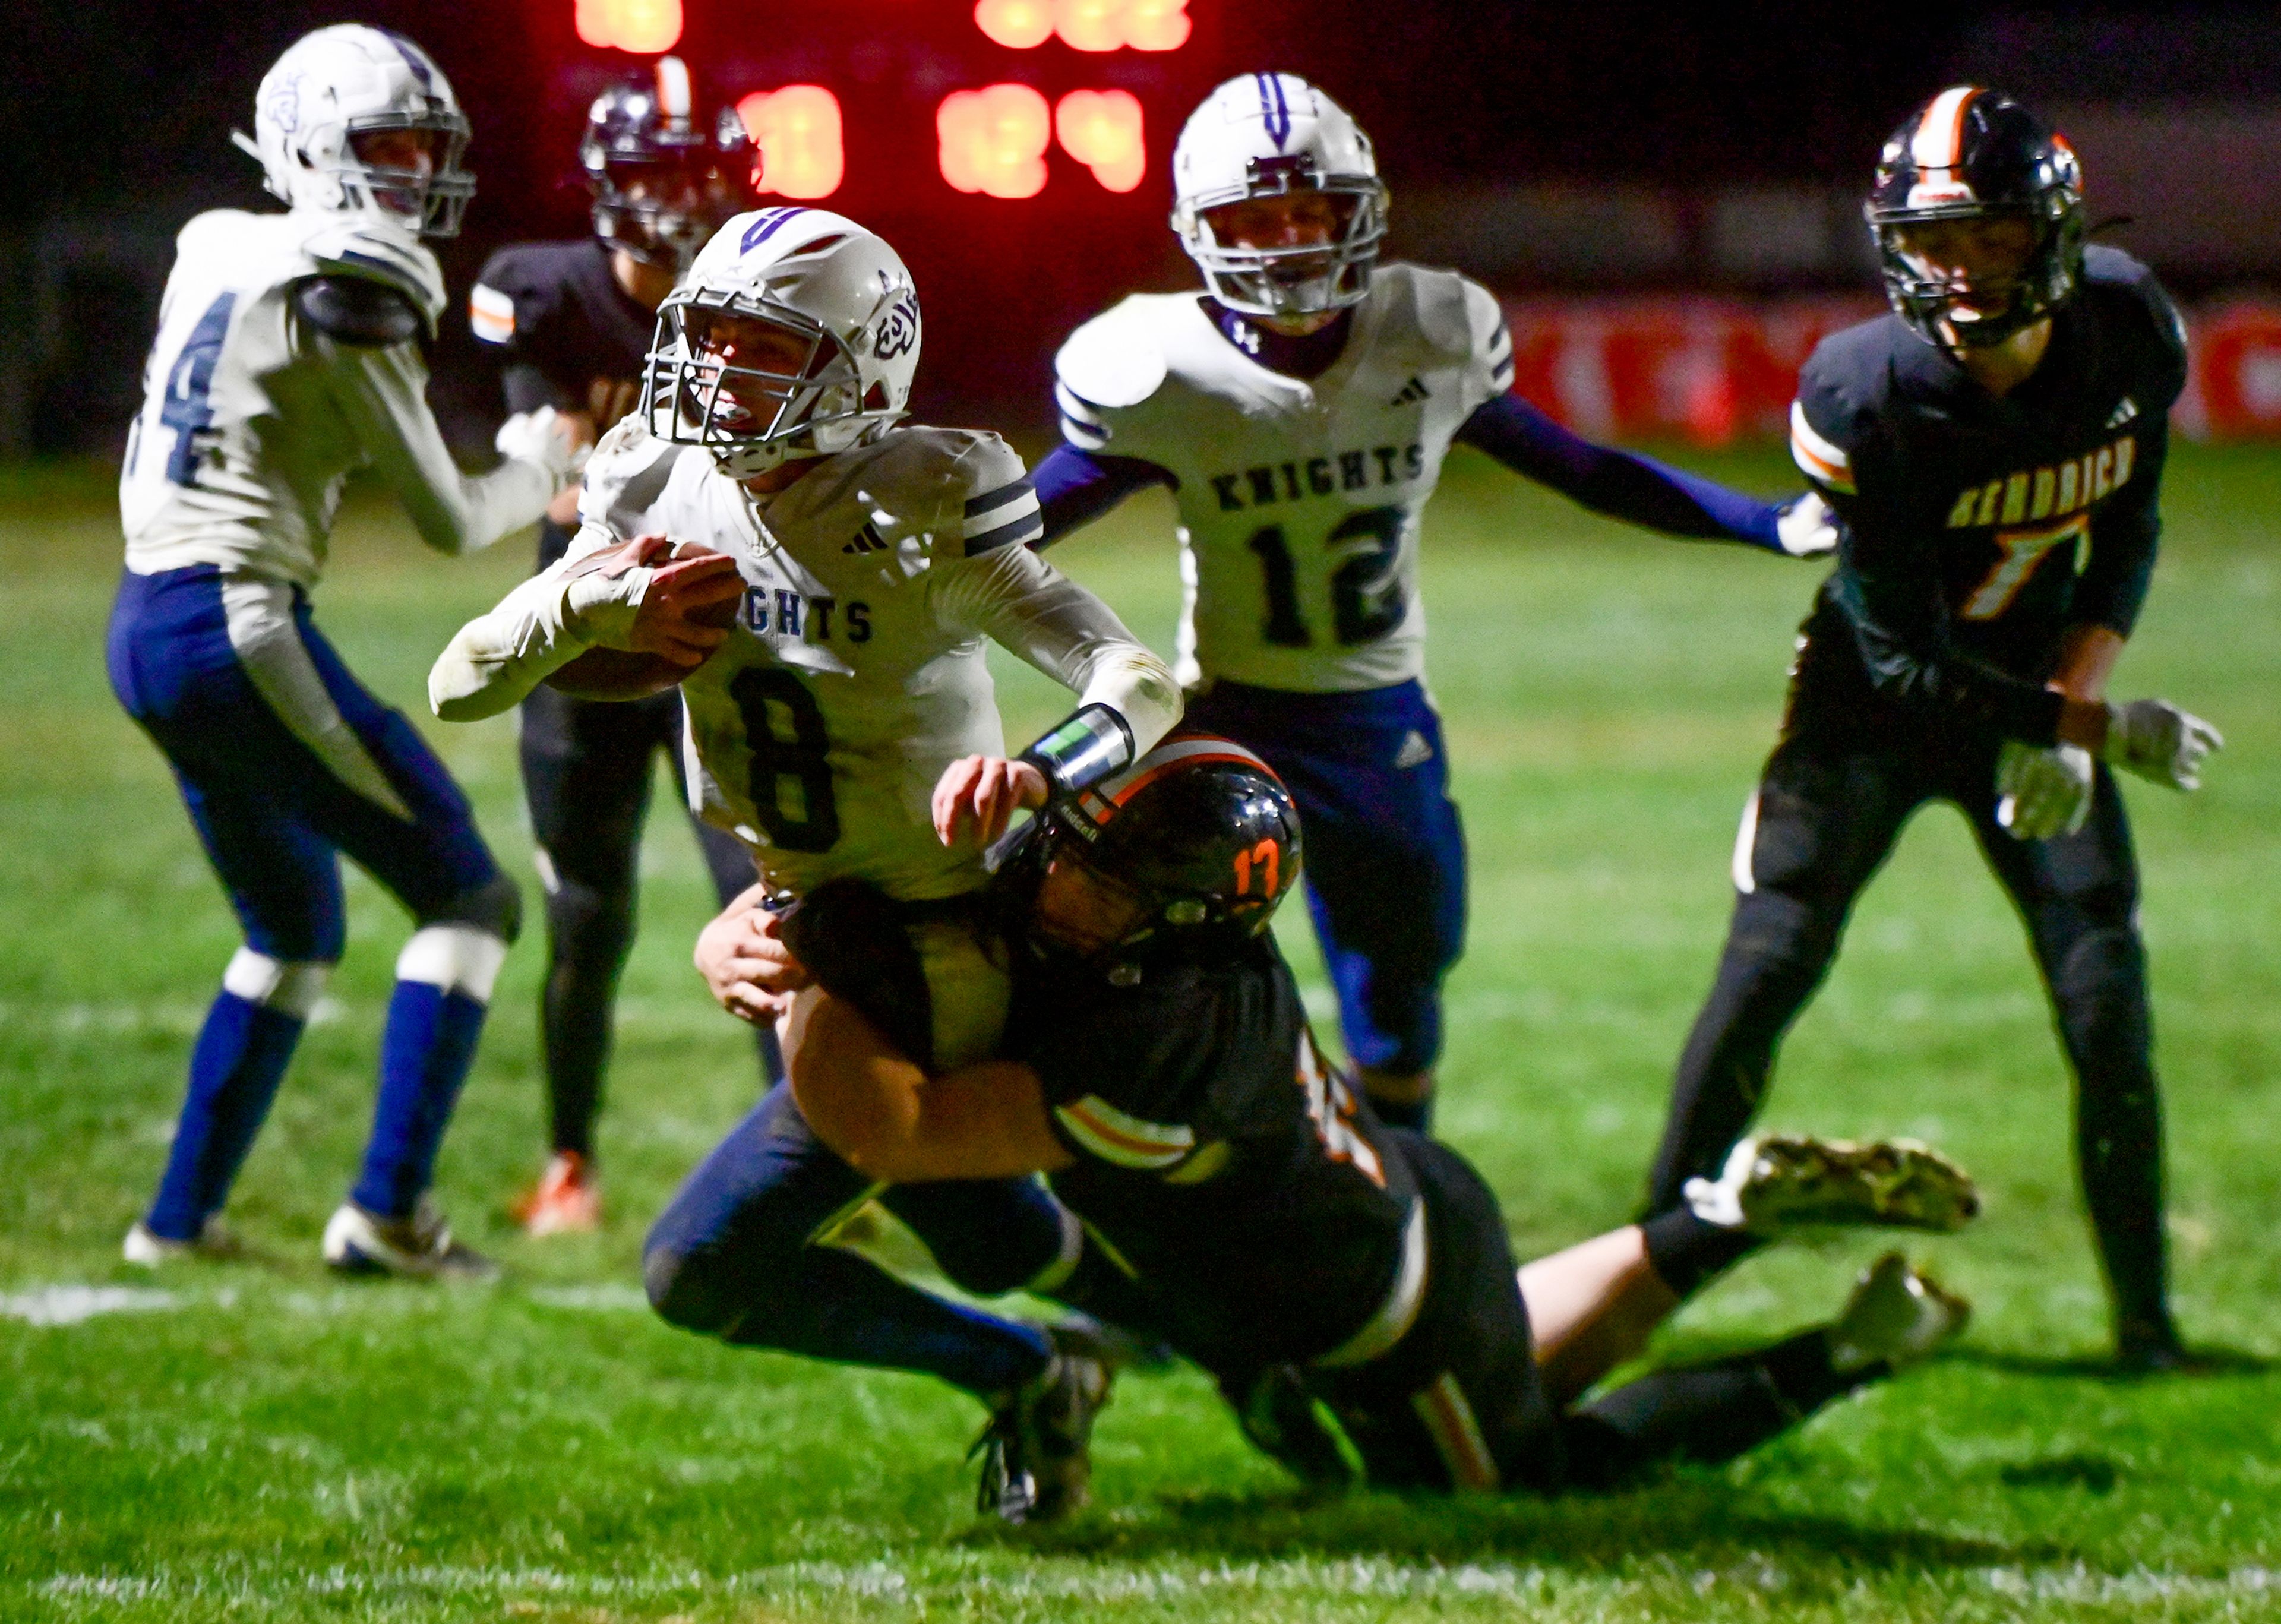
pixel 1299 502
pixel 855 673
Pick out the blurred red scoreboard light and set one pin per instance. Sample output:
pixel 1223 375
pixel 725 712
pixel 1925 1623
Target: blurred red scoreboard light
pixel 1087 25
pixel 1101 130
pixel 644 27
pixel 798 131
pixel 993 141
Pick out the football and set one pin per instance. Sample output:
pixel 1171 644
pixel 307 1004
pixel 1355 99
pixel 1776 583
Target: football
pixel 617 674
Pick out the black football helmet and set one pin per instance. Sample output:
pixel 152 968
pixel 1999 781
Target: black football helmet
pixel 1972 154
pixel 666 166
pixel 1199 831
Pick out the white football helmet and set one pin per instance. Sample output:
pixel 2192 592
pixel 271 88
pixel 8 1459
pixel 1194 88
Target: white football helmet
pixel 344 81
pixel 1265 136
pixel 838 288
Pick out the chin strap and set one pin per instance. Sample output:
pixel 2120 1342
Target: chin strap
pixel 1089 744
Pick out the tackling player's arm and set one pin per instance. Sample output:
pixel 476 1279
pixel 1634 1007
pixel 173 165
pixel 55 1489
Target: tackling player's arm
pixel 874 1107
pixel 380 383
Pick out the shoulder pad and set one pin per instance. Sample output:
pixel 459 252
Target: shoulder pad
pixel 2112 268
pixel 353 248
pixel 1838 387
pixel 626 474
pixel 354 311
pixel 1116 359
pixel 1433 301
pixel 1000 505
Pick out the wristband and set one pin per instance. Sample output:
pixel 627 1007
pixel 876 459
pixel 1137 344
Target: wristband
pixel 1084 748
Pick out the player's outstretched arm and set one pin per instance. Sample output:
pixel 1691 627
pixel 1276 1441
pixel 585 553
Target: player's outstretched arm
pixel 649 595
pixel 1639 489
pixel 874 1106
pixel 382 390
pixel 1076 487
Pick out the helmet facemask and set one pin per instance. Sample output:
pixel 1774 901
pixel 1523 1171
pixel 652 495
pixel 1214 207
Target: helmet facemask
pixel 662 211
pixel 429 201
pixel 1972 313
pixel 753 417
pixel 1303 279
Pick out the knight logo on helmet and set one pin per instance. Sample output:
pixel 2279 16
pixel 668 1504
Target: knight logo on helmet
pixel 1971 154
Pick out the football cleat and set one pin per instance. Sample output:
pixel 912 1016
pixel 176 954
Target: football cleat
pixel 2144 1349
pixel 421 1247
pixel 215 1243
pixel 1035 1467
pixel 1781 1181
pixel 567 1199
pixel 1283 1418
pixel 1895 1316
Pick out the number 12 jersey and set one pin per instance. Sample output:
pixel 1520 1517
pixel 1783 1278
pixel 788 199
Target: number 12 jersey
pixel 1299 501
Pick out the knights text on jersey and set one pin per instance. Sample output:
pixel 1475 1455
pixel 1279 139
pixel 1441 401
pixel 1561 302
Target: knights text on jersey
pixel 564 333
pixel 2013 518
pixel 1218 1152
pixel 855 672
pixel 1299 502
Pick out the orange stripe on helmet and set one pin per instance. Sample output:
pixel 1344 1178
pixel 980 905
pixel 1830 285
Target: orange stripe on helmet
pixel 1938 143
pixel 1182 751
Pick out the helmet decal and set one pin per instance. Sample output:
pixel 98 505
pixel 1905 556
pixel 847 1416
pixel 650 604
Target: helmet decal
pixel 765 225
pixel 1274 111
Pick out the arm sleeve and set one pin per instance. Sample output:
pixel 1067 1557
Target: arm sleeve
pixel 382 393
pixel 2123 540
pixel 1025 605
pixel 1076 487
pixel 508 316
pixel 1619 484
pixel 494 662
pixel 1888 581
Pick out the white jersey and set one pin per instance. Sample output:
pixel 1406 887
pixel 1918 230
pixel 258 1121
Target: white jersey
pixel 1299 502
pixel 855 673
pixel 253 417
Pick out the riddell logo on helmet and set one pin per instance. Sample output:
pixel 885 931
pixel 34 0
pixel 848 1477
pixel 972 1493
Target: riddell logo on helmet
pixel 1932 193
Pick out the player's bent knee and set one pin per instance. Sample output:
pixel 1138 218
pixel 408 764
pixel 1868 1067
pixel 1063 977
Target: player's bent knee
pixel 590 924
pixel 290 986
pixel 495 907
pixel 464 959
pixel 680 1292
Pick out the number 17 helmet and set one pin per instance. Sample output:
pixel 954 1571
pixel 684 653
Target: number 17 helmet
pixel 1270 135
pixel 1971 154
pixel 1200 832
pixel 334 85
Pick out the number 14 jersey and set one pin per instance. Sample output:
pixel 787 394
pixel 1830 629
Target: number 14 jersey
pixel 1299 501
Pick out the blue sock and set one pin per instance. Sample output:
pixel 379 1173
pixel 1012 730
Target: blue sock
pixel 425 1051
pixel 843 1307
pixel 240 1057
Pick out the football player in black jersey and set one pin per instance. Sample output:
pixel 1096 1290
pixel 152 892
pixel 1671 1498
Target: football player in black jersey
pixel 1994 451
pixel 1349 1285
pixel 570 324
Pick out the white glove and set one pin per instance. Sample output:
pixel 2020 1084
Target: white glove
pixel 2042 793
pixel 543 436
pixel 2158 741
pixel 1806 527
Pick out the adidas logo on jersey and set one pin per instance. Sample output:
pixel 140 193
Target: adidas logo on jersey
pixel 1415 390
pixel 1415 751
pixel 866 540
pixel 2123 413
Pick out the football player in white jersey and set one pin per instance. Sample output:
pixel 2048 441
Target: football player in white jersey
pixel 844 727
pixel 1299 410
pixel 288 357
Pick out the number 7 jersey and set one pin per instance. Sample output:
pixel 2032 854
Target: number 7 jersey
pixel 1299 501
pixel 855 672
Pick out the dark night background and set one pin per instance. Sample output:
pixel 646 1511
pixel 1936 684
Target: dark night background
pixel 118 119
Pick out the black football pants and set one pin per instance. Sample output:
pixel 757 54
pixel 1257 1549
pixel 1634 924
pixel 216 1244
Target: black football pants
pixel 1458 1403
pixel 586 769
pixel 1828 810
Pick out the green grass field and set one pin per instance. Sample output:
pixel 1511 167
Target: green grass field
pixel 259 1441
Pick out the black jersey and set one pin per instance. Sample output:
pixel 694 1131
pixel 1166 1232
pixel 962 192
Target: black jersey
pixel 1225 1159
pixel 564 334
pixel 1977 530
